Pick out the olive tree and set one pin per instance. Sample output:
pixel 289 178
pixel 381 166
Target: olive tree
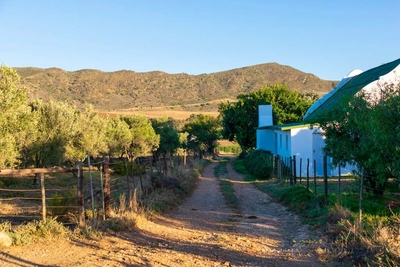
pixel 15 117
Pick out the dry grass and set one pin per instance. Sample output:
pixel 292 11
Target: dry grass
pixel 376 242
pixel 176 114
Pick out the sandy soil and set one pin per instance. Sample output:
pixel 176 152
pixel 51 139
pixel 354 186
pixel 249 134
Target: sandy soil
pixel 204 231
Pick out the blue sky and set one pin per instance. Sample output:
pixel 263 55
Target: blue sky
pixel 323 37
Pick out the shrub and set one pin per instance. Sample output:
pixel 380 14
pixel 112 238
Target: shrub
pixel 259 163
pixel 120 169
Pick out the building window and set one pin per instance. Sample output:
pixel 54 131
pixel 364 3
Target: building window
pixel 287 143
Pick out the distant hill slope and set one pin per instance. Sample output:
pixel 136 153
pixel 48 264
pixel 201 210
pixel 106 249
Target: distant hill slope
pixel 128 89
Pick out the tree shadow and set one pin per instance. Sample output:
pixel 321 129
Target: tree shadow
pixel 10 260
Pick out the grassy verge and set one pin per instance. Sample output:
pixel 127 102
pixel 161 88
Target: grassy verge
pixel 226 185
pixel 376 242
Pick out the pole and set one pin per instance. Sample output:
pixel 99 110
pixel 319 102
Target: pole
pixel 91 186
pixel 107 187
pixel 315 177
pixel 81 208
pixel 294 169
pixel 43 196
pixel 361 197
pixel 325 160
pixel 301 162
pixel 102 193
pixel 308 174
pixel 338 193
pixel 291 172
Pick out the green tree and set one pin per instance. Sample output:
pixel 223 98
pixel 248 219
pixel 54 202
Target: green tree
pixel 118 136
pixel 56 126
pixel 204 131
pixel 15 117
pixel 239 119
pixel 143 139
pixel 363 131
pixel 169 138
pixel 88 136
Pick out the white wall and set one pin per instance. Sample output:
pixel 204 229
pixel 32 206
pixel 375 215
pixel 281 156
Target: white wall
pixel 302 149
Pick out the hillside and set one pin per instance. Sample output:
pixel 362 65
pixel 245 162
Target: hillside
pixel 151 90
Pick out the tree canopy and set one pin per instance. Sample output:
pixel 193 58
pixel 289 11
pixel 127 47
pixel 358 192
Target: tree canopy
pixel 364 130
pixel 239 119
pixel 14 117
pixel 204 131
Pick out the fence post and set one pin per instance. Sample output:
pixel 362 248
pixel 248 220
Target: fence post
pixel 279 168
pixel 361 198
pixel 294 170
pixel 127 176
pixel 308 173
pixel 91 186
pixel 315 177
pixel 107 187
pixel 339 176
pixel 102 193
pixel 325 160
pixel 43 196
pixel 81 201
pixel 291 172
pixel 301 162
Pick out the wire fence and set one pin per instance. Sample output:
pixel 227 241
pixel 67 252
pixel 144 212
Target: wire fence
pixel 91 190
pixel 345 190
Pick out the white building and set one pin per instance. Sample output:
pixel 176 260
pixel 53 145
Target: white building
pixel 298 139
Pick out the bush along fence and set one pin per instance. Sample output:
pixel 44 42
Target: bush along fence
pixel 89 191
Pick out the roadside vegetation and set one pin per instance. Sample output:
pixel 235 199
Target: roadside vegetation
pixel 125 216
pixel 38 134
pixel 375 242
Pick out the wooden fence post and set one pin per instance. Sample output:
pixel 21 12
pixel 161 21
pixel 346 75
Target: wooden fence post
pixel 291 172
pixel 301 163
pixel 294 169
pixel 361 198
pixel 91 186
pixel 315 177
pixel 339 178
pixel 81 200
pixel 43 196
pixel 279 167
pixel 107 187
pixel 308 173
pixel 325 160
pixel 102 193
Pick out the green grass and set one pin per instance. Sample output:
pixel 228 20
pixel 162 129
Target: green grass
pixel 226 185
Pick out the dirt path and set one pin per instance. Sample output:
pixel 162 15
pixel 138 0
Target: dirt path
pixel 204 231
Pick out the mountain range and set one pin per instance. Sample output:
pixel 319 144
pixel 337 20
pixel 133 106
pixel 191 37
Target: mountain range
pixel 149 90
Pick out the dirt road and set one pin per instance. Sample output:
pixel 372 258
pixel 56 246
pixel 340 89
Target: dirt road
pixel 204 231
